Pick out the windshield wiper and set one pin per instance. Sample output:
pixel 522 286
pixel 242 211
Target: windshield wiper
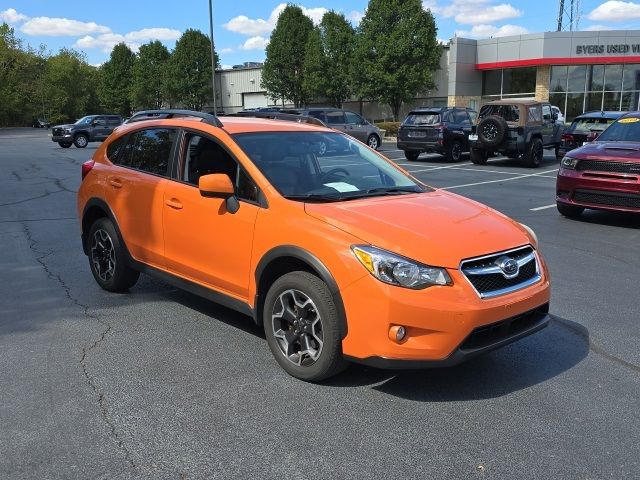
pixel 314 197
pixel 379 191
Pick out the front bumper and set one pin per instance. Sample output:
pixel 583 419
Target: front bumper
pixel 599 191
pixel 65 137
pixel 440 321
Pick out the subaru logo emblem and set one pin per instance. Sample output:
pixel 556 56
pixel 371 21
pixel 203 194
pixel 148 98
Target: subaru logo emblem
pixel 510 268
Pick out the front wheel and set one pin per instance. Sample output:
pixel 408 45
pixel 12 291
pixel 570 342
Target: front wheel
pixel 81 141
pixel 373 141
pixel 479 157
pixel 569 211
pixel 107 258
pixel 302 327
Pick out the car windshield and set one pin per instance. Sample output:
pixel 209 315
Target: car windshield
pixel 84 120
pixel 429 118
pixel 590 124
pixel 323 167
pixel 624 130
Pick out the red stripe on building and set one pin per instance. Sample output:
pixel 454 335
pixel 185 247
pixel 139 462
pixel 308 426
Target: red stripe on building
pixel 532 62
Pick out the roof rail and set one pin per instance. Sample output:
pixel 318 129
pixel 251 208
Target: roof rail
pixel 174 113
pixel 290 117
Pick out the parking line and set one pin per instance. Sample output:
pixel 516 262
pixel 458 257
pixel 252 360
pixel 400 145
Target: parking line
pixel 489 171
pixel 437 168
pixel 542 208
pixel 501 180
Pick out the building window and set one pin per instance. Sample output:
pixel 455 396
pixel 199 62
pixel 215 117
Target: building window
pixel 509 82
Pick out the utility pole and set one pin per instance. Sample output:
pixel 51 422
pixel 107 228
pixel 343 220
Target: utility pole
pixel 213 60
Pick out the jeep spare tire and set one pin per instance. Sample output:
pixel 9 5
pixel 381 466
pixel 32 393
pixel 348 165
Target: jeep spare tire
pixel 492 131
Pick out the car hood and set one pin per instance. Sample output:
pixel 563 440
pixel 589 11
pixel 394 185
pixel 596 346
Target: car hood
pixel 64 126
pixel 614 151
pixel 436 228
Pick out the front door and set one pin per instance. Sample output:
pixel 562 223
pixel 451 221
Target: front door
pixel 356 126
pixel 548 125
pixel 204 242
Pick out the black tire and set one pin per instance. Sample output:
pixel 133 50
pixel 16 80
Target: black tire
pixel 65 144
pixel 81 140
pixel 329 359
pixel 557 152
pixel 454 151
pixel 569 211
pixel 479 157
pixel 107 258
pixel 373 141
pixel 492 130
pixel 411 155
pixel 535 153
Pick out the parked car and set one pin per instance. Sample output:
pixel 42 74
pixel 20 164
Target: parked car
pixel 604 174
pixel 41 123
pixel 559 115
pixel 439 130
pixel 345 121
pixel 585 128
pixel 517 129
pixel 92 128
pixel 356 261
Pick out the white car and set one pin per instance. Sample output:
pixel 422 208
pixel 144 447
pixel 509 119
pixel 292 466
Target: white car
pixel 558 112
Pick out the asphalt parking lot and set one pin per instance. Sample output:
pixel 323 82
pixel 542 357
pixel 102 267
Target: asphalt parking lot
pixel 159 383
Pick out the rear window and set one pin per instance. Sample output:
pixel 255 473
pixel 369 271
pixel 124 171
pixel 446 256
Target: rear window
pixel 511 113
pixel 422 118
pixel 590 124
pixel 623 130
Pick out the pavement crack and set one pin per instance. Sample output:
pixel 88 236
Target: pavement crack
pixel 593 347
pixel 46 194
pixel 102 403
pixel 17 175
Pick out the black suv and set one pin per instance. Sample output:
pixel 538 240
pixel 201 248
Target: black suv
pixel 517 129
pixel 439 130
pixel 92 128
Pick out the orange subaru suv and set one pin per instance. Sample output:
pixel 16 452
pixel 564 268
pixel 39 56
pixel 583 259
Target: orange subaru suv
pixel 340 257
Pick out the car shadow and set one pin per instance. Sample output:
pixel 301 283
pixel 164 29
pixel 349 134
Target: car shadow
pixel 524 364
pixel 608 219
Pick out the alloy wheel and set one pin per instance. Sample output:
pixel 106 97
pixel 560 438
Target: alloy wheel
pixel 456 151
pixel 103 256
pixel 297 327
pixel 490 131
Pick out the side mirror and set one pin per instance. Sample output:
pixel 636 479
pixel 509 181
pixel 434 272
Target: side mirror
pixel 218 185
pixel 592 136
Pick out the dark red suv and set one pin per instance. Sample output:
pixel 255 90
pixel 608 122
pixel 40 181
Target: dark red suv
pixel 605 174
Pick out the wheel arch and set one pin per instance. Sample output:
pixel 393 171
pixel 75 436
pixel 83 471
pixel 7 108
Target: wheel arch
pixel 290 258
pixel 94 209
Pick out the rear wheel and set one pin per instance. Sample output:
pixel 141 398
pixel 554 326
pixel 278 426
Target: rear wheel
pixel 479 157
pixel 454 151
pixel 535 153
pixel 302 328
pixel 81 140
pixel 65 144
pixel 107 258
pixel 569 211
pixel 411 155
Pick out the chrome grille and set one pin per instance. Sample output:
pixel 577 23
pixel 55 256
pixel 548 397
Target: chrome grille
pixel 490 280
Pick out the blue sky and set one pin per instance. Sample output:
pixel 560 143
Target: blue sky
pixel 242 27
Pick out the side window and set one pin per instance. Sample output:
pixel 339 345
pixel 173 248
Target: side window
pixel 246 188
pixel 474 116
pixel 114 149
pixel 149 150
pixel 318 114
pixel 534 114
pixel 99 121
pixel 354 119
pixel 462 118
pixel 335 118
pixel 546 112
pixel 113 121
pixel 203 157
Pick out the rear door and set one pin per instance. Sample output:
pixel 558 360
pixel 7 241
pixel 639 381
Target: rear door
pixel 112 122
pixel 336 120
pixel 422 126
pixel 549 126
pixel 100 128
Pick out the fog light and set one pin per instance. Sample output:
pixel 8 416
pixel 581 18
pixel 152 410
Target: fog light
pixel 397 333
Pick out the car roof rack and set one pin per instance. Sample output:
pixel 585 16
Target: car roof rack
pixel 174 113
pixel 290 117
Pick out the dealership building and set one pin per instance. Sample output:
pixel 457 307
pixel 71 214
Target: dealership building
pixel 576 71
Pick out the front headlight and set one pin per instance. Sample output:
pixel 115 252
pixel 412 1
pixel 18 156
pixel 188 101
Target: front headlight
pixel 397 270
pixel 568 162
pixel 67 130
pixel 532 234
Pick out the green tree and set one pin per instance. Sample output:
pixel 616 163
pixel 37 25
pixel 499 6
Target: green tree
pixel 189 72
pixel 149 75
pixel 329 59
pixel 283 72
pixel 115 80
pixel 396 52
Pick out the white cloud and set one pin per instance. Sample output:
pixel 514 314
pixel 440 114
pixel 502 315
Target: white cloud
pixel 105 42
pixel 486 31
pixel 355 16
pixel 615 11
pixel 227 50
pixel 225 66
pixel 255 43
pixel 258 26
pixel 479 12
pixel 11 16
pixel 61 27
pixel 154 34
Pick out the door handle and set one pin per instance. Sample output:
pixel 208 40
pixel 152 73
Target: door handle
pixel 173 203
pixel 115 182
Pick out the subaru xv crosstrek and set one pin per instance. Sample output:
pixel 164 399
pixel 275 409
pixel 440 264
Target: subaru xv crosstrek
pixel 341 258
